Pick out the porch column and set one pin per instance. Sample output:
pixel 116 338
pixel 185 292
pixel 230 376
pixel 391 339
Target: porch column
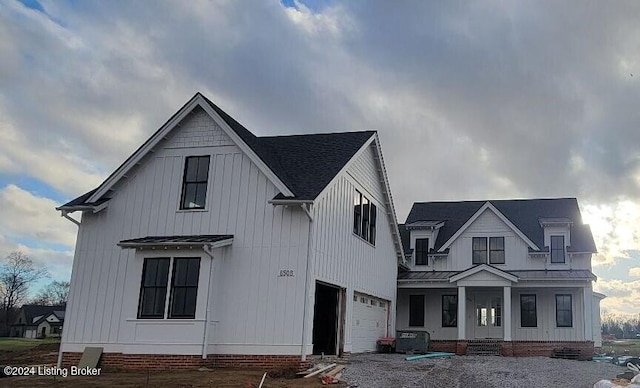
pixel 462 313
pixel 588 314
pixel 506 316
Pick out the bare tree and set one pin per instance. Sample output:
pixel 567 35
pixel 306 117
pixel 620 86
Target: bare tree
pixel 55 293
pixel 17 274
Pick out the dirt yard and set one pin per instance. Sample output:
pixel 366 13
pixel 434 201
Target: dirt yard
pixel 47 352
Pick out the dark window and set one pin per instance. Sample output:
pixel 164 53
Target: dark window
pixel 496 250
pixel 194 187
pixel 184 287
pixel 528 314
pixel 449 310
pixel 479 250
pixel 364 231
pixel 364 218
pixel 153 290
pixel 422 247
pixel 416 310
pixel 564 315
pixel 372 224
pixel 357 213
pixel 557 249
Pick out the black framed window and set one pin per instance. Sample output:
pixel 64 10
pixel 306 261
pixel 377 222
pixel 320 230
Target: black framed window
pixel 184 287
pixel 372 223
pixel 416 310
pixel 449 310
pixel 479 250
pixel 564 314
pixel 528 312
pixel 194 184
pixel 557 249
pixel 153 288
pixel 364 218
pixel 357 213
pixel 422 248
pixel 364 230
pixel 496 250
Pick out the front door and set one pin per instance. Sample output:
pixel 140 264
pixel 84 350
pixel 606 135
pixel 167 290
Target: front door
pixel 488 315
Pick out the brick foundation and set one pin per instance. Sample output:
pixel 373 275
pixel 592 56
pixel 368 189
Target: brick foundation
pixel 443 346
pixel 119 361
pixel 545 348
pixel 518 348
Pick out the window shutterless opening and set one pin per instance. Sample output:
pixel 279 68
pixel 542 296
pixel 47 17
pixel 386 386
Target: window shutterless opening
pixel 194 182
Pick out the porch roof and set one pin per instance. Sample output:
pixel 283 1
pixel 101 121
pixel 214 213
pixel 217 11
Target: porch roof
pixel 443 276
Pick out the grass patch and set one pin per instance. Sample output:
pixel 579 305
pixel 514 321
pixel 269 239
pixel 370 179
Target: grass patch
pixel 621 347
pixel 8 344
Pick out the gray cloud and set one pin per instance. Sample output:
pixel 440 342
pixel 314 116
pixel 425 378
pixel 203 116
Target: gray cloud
pixel 472 100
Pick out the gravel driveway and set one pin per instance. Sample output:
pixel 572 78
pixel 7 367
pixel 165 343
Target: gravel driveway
pixel 391 370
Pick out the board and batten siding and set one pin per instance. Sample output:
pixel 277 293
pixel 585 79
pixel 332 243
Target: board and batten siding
pixel 343 259
pixel 488 224
pixel 546 314
pixel 252 308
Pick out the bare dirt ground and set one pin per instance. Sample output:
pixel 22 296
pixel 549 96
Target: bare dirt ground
pixel 46 353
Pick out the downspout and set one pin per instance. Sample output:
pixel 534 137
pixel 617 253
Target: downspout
pixel 64 214
pixel 205 333
pixel 303 353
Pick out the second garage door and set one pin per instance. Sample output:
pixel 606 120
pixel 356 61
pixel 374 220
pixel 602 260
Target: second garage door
pixel 369 322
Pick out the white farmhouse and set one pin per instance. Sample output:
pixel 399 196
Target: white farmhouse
pixel 510 277
pixel 211 246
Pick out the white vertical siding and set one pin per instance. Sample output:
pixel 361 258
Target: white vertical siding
pixel 546 311
pixel 344 259
pixel 254 311
pixel 433 312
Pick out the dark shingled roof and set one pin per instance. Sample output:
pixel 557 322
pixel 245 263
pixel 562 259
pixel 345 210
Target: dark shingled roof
pixel 304 163
pixel 177 240
pixel 523 213
pixel 32 311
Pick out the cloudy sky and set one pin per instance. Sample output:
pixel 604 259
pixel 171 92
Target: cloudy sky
pixel 472 100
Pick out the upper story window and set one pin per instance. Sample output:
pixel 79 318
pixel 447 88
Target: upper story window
pixel 557 249
pixel 364 218
pixel 183 288
pixel 194 182
pixel 422 248
pixel 491 248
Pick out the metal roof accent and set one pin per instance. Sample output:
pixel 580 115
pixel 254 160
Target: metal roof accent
pixel 164 241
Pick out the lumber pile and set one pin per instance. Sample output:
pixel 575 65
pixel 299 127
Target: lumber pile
pixel 328 374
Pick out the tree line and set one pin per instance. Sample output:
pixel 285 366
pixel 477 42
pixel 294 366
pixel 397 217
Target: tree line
pixel 621 327
pixel 18 276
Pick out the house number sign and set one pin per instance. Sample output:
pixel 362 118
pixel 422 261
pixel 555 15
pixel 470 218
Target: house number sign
pixel 286 273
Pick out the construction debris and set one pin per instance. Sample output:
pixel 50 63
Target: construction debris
pixel 431 355
pixel 320 371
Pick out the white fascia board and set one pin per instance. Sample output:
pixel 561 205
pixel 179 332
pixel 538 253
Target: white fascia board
pixel 387 191
pixel 245 148
pixel 502 217
pixel 483 267
pixel 156 138
pixel 598 295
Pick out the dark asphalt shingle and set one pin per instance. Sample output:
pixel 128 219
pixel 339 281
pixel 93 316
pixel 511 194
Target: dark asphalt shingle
pixel 523 213
pixel 193 239
pixel 304 163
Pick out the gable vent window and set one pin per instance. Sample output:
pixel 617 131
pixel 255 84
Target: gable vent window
pixel 364 218
pixel 557 249
pixel 183 288
pixel 194 186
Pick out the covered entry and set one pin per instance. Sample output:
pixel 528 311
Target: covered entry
pixel 369 323
pixel 487 314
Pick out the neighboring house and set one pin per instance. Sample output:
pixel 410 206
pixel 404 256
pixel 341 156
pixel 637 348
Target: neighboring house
pixel 510 276
pixel 211 246
pixel 35 321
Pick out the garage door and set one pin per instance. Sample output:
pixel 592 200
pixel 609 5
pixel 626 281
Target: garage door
pixel 369 322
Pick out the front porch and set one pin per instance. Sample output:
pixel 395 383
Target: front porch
pixel 488 311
